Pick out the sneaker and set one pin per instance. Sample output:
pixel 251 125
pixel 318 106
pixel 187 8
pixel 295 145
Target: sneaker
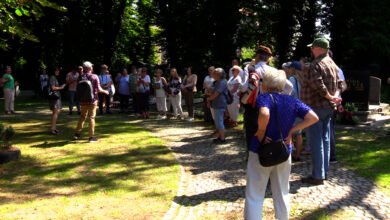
pixel 190 119
pixel 163 117
pixel 76 137
pixel 92 140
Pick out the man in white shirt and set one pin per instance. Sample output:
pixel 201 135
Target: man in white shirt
pixel 105 82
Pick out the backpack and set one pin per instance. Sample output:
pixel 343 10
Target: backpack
pixel 249 97
pixel 84 90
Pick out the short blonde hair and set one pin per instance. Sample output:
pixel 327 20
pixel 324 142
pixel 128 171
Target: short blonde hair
pixel 235 67
pixel 274 79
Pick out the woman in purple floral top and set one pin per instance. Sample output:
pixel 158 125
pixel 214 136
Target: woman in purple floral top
pixel 288 109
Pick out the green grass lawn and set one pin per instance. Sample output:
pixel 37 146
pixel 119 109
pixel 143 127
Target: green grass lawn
pixel 128 174
pixel 367 153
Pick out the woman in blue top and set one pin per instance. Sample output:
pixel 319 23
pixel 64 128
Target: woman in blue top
pixel 288 109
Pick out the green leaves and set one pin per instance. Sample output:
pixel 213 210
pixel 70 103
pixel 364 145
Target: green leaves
pixel 13 18
pixel 18 12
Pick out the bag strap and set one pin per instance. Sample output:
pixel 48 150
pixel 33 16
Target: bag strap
pixel 277 117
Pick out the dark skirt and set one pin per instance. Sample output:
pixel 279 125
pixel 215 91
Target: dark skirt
pixel 55 104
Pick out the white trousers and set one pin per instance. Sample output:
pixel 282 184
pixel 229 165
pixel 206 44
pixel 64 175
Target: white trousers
pixel 234 109
pixel 176 104
pixel 256 185
pixel 9 99
pixel 161 103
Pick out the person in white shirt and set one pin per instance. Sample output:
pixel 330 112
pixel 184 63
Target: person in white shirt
pixel 243 74
pixel 44 80
pixel 175 93
pixel 105 82
pixel 208 86
pixel 160 83
pixel 234 84
pixel 143 90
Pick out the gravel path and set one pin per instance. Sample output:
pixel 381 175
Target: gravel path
pixel 213 180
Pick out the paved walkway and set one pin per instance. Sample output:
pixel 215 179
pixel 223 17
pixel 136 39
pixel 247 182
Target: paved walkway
pixel 213 180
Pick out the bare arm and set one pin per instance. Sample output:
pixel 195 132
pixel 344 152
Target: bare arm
pixel 309 119
pixel 213 96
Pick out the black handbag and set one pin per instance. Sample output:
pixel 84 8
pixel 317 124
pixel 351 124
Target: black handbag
pixel 52 95
pixel 275 152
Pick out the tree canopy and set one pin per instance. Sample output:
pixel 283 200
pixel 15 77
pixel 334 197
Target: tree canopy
pixel 183 33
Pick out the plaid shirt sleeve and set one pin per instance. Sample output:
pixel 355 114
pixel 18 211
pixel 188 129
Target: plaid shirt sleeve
pixel 317 81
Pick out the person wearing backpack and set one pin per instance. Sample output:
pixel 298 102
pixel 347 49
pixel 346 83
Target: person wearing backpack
pixel 251 88
pixel 218 101
pixel 88 88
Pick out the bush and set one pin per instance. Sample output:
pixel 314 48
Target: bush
pixel 6 135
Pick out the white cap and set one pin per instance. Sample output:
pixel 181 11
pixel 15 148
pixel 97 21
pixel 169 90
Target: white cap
pixel 87 64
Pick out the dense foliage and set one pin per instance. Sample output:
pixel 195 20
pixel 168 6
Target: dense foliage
pixel 181 33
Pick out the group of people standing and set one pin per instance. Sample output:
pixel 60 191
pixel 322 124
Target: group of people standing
pixel 278 105
pixel 281 106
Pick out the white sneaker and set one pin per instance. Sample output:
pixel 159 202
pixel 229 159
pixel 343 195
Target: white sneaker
pixel 163 117
pixel 190 119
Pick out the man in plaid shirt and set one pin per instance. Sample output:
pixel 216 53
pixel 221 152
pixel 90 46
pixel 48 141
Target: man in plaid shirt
pixel 320 90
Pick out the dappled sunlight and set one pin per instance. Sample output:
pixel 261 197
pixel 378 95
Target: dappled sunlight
pixel 63 178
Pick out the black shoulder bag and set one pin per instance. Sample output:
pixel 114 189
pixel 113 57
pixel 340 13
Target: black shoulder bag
pixel 276 152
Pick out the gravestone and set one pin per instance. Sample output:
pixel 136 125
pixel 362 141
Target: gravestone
pixel 358 87
pixel 375 91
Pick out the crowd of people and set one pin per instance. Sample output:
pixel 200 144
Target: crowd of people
pixel 278 105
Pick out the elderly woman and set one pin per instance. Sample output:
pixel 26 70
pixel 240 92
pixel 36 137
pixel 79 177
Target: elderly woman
pixel 275 109
pixel 218 101
pixel 189 88
pixel 233 85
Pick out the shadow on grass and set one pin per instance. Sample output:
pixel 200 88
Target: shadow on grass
pixel 31 179
pixel 51 145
